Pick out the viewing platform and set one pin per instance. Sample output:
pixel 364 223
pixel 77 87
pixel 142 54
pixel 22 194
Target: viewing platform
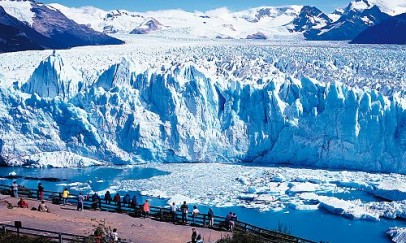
pixel 161 214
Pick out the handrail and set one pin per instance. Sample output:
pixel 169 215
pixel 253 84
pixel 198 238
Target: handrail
pixel 40 232
pixel 163 214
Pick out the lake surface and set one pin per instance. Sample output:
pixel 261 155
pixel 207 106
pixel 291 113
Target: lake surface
pixel 314 225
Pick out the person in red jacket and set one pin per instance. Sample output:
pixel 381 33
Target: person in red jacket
pixel 22 203
pixel 116 198
pixel 145 208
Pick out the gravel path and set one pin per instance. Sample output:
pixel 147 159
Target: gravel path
pixel 67 219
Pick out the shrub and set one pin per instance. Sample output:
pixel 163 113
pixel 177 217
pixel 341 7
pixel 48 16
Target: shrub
pixel 12 237
pixel 239 237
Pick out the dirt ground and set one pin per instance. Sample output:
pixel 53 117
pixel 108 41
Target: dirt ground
pixel 68 220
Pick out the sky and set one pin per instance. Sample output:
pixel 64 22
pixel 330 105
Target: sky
pixel 327 6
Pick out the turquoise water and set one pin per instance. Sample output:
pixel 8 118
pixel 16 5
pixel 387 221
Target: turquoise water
pixel 314 225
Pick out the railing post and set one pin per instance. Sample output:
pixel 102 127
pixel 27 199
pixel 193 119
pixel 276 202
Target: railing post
pixel 161 214
pixel 204 220
pixel 3 229
pixel 60 238
pixel 245 228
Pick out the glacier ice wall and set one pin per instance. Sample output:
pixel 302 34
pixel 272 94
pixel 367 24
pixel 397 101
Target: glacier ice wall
pixel 128 115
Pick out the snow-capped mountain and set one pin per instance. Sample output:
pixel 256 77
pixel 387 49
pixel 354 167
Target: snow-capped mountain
pixel 390 31
pixel 220 23
pixel 336 14
pixel 147 26
pixel 358 16
pixel 17 36
pixel 390 7
pixel 310 18
pixel 349 25
pixel 256 23
pixel 292 22
pixel 47 27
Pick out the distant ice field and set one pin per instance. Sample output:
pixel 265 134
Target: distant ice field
pixel 365 66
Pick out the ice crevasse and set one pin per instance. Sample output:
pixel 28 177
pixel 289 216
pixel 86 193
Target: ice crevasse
pixel 130 115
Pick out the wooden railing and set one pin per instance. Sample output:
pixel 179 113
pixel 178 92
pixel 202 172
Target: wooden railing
pixel 51 235
pixel 164 214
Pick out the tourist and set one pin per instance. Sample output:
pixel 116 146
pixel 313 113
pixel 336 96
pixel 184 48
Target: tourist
pixel 174 208
pixel 65 195
pixel 117 199
pixel 15 189
pixel 118 204
pixel 227 221
pixel 196 237
pixel 107 197
pixel 81 200
pixel 195 213
pixel 126 200
pixel 95 201
pixel 40 191
pixel 42 207
pixel 145 208
pixel 114 235
pixel 99 201
pixel 184 209
pixel 233 219
pixel 22 203
pixel 134 202
pixel 210 215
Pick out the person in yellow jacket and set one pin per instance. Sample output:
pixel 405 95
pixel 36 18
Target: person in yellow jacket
pixel 65 195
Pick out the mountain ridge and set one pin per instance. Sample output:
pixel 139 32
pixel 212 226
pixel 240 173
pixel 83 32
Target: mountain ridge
pixel 42 27
pixel 390 31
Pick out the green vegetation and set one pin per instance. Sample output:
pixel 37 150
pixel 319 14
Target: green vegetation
pixel 239 237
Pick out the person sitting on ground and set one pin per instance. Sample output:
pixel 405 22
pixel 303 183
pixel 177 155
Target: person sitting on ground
pixel 114 235
pixel 42 207
pixel 107 197
pixel 116 198
pixel 145 208
pixel 195 213
pixel 22 203
pixel 196 237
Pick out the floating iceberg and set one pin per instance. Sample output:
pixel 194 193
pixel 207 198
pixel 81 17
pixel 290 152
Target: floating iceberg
pixel 394 190
pixel 347 208
pixel 398 235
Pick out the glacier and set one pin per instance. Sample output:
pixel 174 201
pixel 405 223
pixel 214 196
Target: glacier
pixel 132 112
